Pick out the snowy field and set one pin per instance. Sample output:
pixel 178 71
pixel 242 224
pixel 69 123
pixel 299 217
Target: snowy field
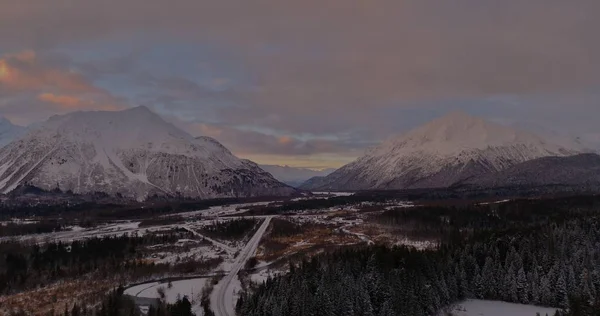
pixel 494 308
pixel 192 288
pixel 79 233
pixel 222 210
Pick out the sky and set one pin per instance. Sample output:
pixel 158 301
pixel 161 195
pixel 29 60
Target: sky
pixel 305 83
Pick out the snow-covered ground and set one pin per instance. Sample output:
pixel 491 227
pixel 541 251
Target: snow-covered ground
pixel 495 202
pixel 192 288
pixel 223 210
pixel 79 233
pixel 263 274
pixel 199 253
pixel 417 244
pixel 495 308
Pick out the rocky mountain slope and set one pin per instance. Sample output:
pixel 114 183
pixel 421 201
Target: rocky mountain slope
pixel 440 153
pixel 579 170
pixel 134 153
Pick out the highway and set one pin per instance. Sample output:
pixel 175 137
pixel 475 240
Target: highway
pixel 222 302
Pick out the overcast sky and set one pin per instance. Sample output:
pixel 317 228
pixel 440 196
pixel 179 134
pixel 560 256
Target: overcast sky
pixel 308 82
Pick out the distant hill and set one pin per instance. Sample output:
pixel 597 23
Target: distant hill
pixel 294 176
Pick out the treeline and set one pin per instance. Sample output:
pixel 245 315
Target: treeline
pixel 25 267
pixel 556 264
pixel 443 222
pixel 28 228
pixel 117 304
pixel 317 204
pixel 232 229
pixel 284 228
pixel 160 221
pixel 111 208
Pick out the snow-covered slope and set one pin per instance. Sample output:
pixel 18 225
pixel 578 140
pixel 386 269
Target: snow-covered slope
pixel 573 171
pixel 9 131
pixel 440 153
pixel 134 153
pixel 294 176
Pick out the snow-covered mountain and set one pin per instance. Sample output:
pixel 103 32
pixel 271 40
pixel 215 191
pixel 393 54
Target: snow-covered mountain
pixel 441 153
pixel 9 131
pixel 294 176
pixel 134 153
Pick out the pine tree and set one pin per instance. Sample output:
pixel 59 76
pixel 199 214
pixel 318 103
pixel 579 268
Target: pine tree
pixel 562 299
pixel 386 309
pixel 479 287
pixel 75 310
pixel 584 286
pixel 326 307
pixel 522 287
pixel 488 275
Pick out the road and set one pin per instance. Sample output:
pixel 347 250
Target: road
pixel 222 297
pixel 214 242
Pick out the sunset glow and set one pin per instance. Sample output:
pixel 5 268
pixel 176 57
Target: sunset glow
pixel 4 73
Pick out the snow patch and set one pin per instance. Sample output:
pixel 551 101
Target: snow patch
pixel 495 308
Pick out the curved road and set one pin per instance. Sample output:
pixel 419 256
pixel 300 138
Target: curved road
pixel 222 296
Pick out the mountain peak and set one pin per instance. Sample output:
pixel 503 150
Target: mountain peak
pixel 456 132
pixel 140 109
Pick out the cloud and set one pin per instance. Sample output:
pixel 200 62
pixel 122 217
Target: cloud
pixel 73 103
pixel 245 142
pixel 340 51
pixel 33 88
pixel 285 140
pixel 65 101
pixel 24 72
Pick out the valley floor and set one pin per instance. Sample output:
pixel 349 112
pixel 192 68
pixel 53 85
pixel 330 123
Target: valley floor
pixel 216 255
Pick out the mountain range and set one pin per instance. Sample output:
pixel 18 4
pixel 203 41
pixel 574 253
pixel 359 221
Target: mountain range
pixel 137 154
pixel 134 153
pixel 451 150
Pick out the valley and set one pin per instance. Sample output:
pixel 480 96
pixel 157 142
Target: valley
pixel 202 248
